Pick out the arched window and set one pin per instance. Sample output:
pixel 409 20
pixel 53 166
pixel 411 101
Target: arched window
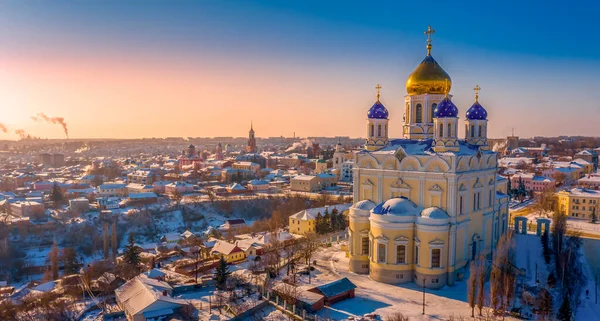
pixel 419 114
pixel 372 130
pixel 431 114
pixel 479 130
pixel 441 130
pixel 379 130
pixel 472 130
pixel 449 130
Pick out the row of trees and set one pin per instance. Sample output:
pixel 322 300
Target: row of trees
pixel 517 192
pixel 330 222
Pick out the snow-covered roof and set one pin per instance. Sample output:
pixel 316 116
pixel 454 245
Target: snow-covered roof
pixel 155 273
pixel 584 192
pixel 112 186
pixel 304 177
pixel 303 215
pixel 365 205
pixel 139 293
pixel 236 187
pixel 336 287
pixel 143 195
pixel 256 182
pixel 223 247
pixel 434 213
pixel 423 147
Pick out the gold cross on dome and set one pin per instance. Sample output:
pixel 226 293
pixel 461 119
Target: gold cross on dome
pixel 477 89
pixel 378 88
pixel 429 32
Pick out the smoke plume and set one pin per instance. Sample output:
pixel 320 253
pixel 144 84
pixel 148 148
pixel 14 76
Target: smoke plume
pixel 52 120
pixel 22 134
pixel 3 128
pixel 299 146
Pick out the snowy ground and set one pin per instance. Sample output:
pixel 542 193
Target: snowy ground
pixel 384 299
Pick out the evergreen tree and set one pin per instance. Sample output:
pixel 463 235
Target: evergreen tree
pixel 56 195
pixel 131 255
pixel 546 247
pixel 565 313
pixel 326 221
pixel 522 192
pixel 334 220
pixel 509 190
pixel 70 261
pixel 594 217
pixel 222 273
pixel 319 223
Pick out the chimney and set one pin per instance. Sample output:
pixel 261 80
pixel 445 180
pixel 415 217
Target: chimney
pixel 164 293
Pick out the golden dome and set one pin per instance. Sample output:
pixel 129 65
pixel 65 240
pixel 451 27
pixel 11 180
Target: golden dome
pixel 428 78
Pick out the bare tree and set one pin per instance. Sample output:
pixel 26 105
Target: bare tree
pixel 503 277
pixel 54 260
pixel 289 293
pixel 310 245
pixel 481 267
pixel 398 316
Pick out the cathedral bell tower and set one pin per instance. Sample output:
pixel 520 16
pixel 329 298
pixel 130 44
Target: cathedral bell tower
pixel 426 88
pixel 377 125
pixel 445 126
pixel 476 123
pixel 251 147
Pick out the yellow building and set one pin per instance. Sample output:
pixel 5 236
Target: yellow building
pixel 427 204
pixel 302 223
pixel 230 252
pixel 579 203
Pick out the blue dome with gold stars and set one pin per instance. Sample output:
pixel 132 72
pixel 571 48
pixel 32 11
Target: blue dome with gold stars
pixel 445 109
pixel 476 112
pixel 378 111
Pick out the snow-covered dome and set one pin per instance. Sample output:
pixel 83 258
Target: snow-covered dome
pixel 365 205
pixel 399 206
pixel 434 213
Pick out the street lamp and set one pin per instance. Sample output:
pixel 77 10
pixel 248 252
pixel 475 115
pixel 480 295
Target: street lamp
pixel 416 279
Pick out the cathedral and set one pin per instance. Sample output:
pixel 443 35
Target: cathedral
pixel 429 203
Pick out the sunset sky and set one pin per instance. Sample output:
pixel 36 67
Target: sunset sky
pixel 150 68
